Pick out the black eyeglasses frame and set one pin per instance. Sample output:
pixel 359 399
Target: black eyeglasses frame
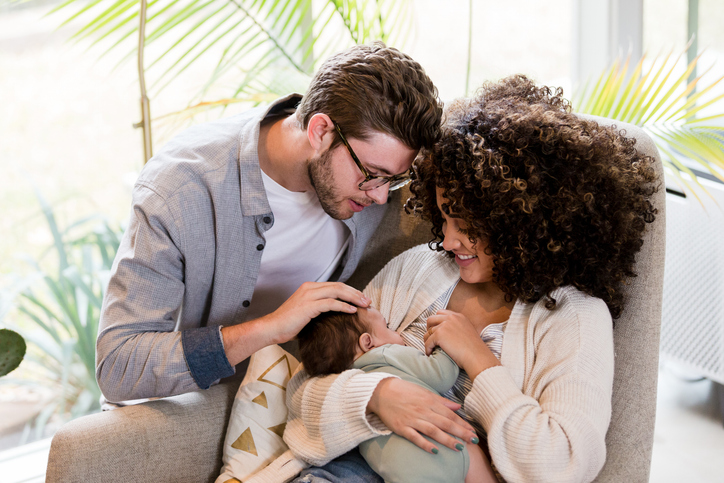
pixel 371 182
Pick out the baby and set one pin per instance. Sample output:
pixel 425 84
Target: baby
pixel 336 341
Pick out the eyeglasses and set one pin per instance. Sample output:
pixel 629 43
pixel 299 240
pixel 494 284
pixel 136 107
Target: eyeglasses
pixel 371 182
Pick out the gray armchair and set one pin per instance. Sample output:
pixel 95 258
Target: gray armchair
pixel 179 439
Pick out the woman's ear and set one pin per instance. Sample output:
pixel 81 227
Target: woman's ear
pixel 365 342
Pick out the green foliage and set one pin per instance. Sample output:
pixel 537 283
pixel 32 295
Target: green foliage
pixel 59 310
pixel 262 46
pixel 660 99
pixel 12 351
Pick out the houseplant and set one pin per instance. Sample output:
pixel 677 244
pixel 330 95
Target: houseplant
pixel 658 96
pixel 58 307
pixel 261 48
pixel 12 350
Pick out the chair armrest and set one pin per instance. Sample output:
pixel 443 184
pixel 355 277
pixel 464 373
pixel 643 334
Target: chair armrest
pixel 176 439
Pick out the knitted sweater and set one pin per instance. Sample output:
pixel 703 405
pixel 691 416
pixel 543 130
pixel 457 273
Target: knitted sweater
pixel 546 409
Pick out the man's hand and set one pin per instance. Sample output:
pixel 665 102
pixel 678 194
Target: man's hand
pixel 410 411
pixel 309 300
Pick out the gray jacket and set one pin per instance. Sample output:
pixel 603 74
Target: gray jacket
pixel 189 260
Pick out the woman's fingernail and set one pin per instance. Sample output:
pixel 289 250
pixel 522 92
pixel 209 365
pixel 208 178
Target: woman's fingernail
pixel 435 451
pixel 459 447
pixel 475 440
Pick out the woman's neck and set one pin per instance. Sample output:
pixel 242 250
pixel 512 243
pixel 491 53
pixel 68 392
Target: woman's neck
pixel 483 303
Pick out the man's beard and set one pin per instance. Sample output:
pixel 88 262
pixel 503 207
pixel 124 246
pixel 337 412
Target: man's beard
pixel 320 175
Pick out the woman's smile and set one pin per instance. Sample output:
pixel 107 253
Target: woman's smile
pixel 464 260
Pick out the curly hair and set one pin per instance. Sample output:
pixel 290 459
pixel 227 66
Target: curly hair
pixel 557 199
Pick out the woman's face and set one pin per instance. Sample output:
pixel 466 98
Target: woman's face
pixel 475 266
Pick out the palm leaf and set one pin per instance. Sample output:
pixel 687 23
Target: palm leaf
pixel 63 307
pixel 630 86
pixel 661 100
pixel 286 34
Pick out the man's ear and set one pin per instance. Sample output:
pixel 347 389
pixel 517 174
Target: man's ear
pixel 365 342
pixel 320 132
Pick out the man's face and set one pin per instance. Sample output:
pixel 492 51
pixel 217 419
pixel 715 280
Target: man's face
pixel 335 176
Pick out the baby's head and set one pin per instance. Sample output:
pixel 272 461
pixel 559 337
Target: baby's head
pixel 332 341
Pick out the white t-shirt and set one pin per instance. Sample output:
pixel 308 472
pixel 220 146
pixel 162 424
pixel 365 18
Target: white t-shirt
pixel 305 244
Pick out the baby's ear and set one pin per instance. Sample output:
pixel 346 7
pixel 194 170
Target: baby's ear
pixel 365 342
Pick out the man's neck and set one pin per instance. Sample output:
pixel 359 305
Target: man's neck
pixel 284 151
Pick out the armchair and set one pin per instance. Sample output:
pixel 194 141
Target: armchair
pixel 179 439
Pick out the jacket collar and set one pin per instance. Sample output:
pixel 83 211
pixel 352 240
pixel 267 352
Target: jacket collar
pixel 253 195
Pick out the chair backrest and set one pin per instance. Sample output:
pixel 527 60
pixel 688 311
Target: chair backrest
pixel 629 440
pixel 176 439
pixel 630 436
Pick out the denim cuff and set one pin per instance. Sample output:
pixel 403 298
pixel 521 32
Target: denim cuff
pixel 205 356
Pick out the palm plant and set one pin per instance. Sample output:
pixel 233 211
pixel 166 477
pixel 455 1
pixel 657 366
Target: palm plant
pixel 261 48
pixel 58 312
pixel 660 98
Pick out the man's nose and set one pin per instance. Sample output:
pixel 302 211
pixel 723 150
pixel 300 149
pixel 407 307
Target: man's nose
pixel 379 194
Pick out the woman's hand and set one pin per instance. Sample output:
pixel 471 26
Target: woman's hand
pixel 410 411
pixel 456 335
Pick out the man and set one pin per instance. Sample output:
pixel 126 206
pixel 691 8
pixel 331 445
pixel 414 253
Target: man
pixel 231 218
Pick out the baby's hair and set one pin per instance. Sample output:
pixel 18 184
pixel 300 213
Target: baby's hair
pixel 327 344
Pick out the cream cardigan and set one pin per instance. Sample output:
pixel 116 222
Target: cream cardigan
pixel 546 409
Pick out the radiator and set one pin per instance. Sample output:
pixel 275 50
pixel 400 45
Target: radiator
pixel 692 325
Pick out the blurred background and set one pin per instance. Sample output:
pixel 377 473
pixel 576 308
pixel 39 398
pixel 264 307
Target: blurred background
pixel 69 151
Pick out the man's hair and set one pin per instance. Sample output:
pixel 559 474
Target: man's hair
pixel 327 344
pixel 374 88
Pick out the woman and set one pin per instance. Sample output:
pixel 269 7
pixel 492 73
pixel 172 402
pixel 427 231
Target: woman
pixel 537 216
